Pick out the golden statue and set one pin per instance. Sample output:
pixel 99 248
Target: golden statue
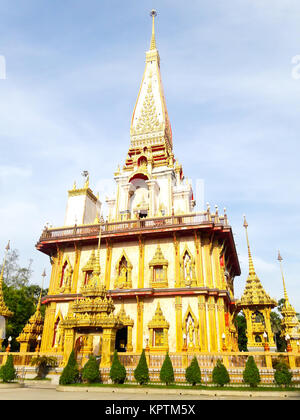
pixel 187 266
pixel 191 334
pixel 123 276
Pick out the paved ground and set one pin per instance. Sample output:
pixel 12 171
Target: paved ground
pixel 48 392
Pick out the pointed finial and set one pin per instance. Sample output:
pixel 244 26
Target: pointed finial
pixel 283 281
pixel 44 275
pixel 251 265
pixel 40 297
pixel 86 175
pixel 153 14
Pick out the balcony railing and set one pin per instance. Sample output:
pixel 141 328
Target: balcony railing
pixel 134 225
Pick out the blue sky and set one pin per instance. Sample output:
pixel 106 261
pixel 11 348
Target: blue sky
pixel 73 70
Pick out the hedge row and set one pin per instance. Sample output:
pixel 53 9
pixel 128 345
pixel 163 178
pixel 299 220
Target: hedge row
pixel 220 376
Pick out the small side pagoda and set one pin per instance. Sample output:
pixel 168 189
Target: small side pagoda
pixel 256 305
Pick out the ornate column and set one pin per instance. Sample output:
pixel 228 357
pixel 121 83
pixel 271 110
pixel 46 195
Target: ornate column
pixel 76 268
pixel 129 347
pixel 176 260
pixel 68 343
pixel 202 323
pixel 216 264
pixel 126 198
pixel 221 321
pixel 48 330
pixel 207 257
pixel 54 280
pixel 108 346
pixel 153 189
pixel 141 262
pixel 178 312
pixel 212 324
pixel 267 316
pixel 199 264
pixel 140 325
pixel 108 264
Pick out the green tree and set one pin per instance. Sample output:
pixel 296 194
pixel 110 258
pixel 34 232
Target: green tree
pixel 241 325
pixel 251 374
pixel 141 372
pixel 276 329
pixel 8 372
pixel 90 371
pixel 220 374
pixel 70 373
pixel 22 302
pixel 19 295
pixel 43 364
pixel 280 304
pixel 117 371
pixel 282 375
pixel 15 275
pixel 166 372
pixel 193 372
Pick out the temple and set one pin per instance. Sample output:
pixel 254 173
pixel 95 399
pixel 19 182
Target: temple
pixel 153 274
pixel 166 270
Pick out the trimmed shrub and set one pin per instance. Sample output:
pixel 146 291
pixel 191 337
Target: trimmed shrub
pixel 117 371
pixel 90 371
pixel 282 375
pixel 8 372
pixel 193 372
pixel 251 374
pixel 220 375
pixel 166 372
pixel 141 372
pixel 70 374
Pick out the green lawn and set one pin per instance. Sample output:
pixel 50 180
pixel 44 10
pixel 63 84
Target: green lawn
pixel 198 387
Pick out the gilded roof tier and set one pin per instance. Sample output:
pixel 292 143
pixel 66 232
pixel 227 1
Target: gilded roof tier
pixel 254 293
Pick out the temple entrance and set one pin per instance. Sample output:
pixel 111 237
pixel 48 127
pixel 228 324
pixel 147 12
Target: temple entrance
pixel 121 340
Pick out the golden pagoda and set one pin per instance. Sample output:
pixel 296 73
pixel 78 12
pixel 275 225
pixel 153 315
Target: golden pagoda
pixel 4 311
pixel 256 305
pixel 31 334
pixel 167 270
pixel 290 325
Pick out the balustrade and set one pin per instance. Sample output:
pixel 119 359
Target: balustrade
pixel 131 225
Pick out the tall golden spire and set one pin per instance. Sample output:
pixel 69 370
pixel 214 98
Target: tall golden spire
pixel 150 125
pixel 153 13
pixel 283 281
pixel 4 311
pixel 290 324
pixel 251 265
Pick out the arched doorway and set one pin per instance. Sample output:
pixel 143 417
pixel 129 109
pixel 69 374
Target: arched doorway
pixel 121 340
